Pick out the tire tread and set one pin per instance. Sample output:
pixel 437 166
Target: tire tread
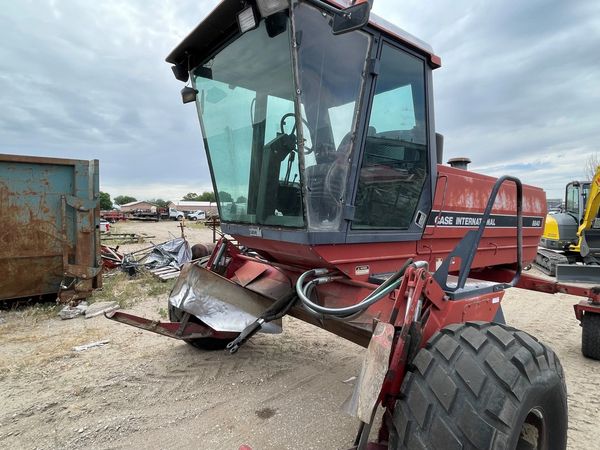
pixel 470 391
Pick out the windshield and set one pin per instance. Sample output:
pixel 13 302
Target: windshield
pixel 247 103
pixel 246 108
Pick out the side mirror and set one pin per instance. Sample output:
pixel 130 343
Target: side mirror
pixel 351 18
pixel 180 73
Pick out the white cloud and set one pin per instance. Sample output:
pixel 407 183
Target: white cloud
pixel 518 90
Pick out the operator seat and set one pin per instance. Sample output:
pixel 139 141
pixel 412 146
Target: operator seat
pixel 326 181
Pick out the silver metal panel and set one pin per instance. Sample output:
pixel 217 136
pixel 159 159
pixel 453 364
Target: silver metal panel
pixel 370 380
pixel 218 302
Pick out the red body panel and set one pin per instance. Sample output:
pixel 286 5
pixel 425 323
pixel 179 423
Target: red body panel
pixel 457 191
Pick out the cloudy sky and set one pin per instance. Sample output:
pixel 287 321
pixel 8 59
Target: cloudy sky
pixel 518 93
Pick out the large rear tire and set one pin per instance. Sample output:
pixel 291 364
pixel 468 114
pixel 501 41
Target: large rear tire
pixel 590 335
pixel 176 314
pixel 482 386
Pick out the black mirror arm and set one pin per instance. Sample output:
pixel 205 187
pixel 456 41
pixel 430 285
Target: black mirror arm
pixel 332 9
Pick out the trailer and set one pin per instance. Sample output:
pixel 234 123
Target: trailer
pixel 49 228
pixel 113 216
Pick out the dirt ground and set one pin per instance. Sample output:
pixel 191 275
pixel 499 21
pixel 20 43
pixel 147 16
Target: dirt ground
pixel 279 391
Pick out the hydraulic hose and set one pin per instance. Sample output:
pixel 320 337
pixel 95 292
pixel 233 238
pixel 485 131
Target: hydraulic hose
pixel 323 277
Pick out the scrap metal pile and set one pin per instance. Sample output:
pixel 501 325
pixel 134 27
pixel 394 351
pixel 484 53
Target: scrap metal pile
pixel 162 260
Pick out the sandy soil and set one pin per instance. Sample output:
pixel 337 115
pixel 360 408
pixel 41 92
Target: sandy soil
pixel 146 391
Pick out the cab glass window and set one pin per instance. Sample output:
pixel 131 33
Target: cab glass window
pixel 395 159
pixel 573 199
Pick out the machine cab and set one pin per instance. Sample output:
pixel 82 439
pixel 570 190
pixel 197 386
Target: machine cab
pixel 576 196
pixel 313 134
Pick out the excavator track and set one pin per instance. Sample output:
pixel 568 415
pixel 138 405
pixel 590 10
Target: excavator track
pixel 547 260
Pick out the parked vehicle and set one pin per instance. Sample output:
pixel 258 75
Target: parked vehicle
pixel 104 226
pixel 197 215
pixel 112 216
pixel 174 214
pixel 570 246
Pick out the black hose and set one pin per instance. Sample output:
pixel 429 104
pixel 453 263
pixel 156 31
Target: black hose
pixel 280 308
pixel 347 312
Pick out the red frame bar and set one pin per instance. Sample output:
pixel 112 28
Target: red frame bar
pixel 191 330
pixel 585 306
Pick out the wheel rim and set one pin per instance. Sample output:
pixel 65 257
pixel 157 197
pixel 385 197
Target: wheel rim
pixel 533 432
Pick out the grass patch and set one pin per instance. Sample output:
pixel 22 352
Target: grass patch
pixel 27 316
pixel 42 311
pixel 127 291
pixel 196 224
pixel 162 312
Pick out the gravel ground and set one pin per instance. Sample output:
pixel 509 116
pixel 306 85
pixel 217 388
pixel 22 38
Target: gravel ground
pixel 146 391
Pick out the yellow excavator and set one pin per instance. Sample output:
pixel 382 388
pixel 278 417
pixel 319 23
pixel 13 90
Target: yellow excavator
pixel 570 246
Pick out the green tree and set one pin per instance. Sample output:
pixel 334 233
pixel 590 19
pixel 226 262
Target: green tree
pixel 207 197
pixel 105 201
pixel 225 196
pixel 191 197
pixel 122 199
pixel 241 199
pixel 159 202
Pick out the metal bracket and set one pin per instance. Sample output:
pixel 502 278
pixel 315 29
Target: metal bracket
pixel 81 204
pixel 349 212
pixel 374 66
pixel 84 272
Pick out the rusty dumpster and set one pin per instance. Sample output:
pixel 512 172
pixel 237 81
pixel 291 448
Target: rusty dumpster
pixel 49 227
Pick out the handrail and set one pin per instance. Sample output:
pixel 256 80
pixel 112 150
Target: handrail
pixel 468 245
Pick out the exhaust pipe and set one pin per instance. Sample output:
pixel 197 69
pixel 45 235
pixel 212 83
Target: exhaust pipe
pixel 459 163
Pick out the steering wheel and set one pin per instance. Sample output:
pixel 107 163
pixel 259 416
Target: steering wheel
pixel 282 125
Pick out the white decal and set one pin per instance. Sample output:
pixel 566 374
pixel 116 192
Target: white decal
pixel 255 231
pixel 361 270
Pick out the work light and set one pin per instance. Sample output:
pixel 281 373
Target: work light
pixel 188 94
pixel 246 19
pixel 270 7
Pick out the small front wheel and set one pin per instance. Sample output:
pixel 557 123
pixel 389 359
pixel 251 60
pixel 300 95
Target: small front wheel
pixel 209 343
pixel 482 386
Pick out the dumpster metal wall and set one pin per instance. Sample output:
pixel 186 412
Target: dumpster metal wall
pixel 49 227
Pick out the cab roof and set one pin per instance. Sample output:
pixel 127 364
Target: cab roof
pixel 221 24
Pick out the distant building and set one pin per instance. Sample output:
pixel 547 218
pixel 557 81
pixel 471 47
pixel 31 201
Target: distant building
pixel 187 206
pixel 138 206
pixel 554 203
